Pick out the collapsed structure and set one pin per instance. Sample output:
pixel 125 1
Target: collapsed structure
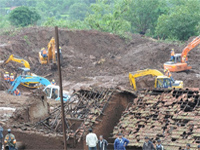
pixel 81 112
pixel 172 116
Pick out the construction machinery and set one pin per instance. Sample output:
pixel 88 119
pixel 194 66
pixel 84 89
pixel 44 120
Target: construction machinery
pixel 18 60
pixel 179 63
pixel 161 81
pixel 24 70
pixel 27 72
pixel 51 55
pixel 52 91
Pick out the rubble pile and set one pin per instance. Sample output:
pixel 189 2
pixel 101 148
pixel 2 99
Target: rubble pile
pixel 81 112
pixel 172 117
pixel 35 108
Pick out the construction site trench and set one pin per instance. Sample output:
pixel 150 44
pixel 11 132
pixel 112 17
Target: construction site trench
pixel 43 138
pixel 95 73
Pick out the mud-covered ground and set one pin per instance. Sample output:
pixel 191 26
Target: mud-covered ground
pixel 90 58
pixel 95 58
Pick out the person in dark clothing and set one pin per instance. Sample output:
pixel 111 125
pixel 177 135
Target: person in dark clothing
pixel 120 142
pixel 187 147
pixel 159 145
pixel 148 145
pixel 1 137
pixel 198 147
pixel 102 143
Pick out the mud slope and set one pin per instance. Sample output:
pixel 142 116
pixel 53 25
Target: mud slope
pixel 92 57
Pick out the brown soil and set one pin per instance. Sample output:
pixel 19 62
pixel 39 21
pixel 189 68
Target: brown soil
pixel 91 58
pixel 117 104
pixel 82 50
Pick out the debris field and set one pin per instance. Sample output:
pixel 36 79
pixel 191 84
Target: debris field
pixel 95 73
pixel 172 116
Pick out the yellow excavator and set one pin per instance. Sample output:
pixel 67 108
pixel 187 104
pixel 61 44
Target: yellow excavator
pixel 161 80
pixel 51 55
pixel 24 71
pixel 18 60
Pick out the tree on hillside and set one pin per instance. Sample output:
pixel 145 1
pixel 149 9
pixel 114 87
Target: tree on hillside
pixel 180 23
pixel 78 11
pixel 143 14
pixel 106 18
pixel 23 16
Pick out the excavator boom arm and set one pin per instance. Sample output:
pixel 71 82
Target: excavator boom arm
pixel 51 50
pixel 23 79
pixel 190 46
pixel 18 60
pixel 140 73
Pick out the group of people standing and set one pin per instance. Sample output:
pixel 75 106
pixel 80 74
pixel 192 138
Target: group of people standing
pixel 10 78
pixel 120 142
pixel 92 142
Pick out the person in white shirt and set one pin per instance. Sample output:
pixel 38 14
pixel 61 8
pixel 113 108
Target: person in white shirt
pixel 91 140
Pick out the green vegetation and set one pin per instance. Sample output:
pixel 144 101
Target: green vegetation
pixel 163 19
pixel 23 16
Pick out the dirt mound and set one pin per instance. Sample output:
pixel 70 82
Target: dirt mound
pixel 34 109
pixel 96 58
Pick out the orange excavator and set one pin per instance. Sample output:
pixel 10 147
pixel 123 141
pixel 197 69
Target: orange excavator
pixel 180 60
pixel 51 55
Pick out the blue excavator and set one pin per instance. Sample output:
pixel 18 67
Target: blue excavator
pixel 52 91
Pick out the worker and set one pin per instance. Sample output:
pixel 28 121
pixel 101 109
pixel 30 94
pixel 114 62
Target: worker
pixel 148 145
pixel 168 74
pixel 102 144
pixel 184 59
pixel 60 50
pixel 159 145
pixel 56 53
pixel 1 136
pixel 172 55
pixel 120 142
pixel 44 52
pixel 6 76
pixel 91 140
pixel 187 147
pixel 17 92
pixel 53 82
pixel 10 141
pixel 12 78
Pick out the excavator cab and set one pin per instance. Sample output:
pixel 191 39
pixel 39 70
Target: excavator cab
pixel 163 82
pixel 25 71
pixel 178 64
pixel 166 82
pixel 52 92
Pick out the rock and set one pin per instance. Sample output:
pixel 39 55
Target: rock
pixel 92 57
